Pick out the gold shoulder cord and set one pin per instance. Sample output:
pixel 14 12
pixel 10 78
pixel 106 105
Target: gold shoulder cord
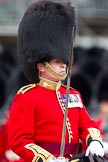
pixel 26 88
pixel 38 152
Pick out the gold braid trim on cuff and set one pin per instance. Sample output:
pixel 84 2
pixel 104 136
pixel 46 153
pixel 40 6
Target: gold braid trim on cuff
pixel 38 152
pixel 95 134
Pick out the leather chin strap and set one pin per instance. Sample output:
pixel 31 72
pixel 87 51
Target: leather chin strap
pixel 49 68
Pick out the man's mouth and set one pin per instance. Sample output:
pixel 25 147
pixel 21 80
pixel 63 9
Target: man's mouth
pixel 62 72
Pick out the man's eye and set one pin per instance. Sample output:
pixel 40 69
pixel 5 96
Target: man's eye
pixel 57 61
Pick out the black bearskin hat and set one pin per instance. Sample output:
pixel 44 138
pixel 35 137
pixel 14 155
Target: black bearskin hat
pixel 44 33
pixel 102 87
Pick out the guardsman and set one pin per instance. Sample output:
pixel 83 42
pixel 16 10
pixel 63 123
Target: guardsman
pixel 37 111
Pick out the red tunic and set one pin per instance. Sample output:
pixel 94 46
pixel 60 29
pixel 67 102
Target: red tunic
pixel 3 141
pixel 36 116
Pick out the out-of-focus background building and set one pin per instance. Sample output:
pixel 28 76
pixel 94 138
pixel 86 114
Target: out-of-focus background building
pixel 90 53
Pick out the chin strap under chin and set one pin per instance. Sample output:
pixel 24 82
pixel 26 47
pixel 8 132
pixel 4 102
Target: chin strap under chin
pixel 49 68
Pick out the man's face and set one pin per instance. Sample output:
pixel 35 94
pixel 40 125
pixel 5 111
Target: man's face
pixel 57 65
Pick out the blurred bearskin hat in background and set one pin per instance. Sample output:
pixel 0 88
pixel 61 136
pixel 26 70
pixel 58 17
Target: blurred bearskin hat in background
pixel 22 80
pixel 95 53
pixel 7 61
pixel 80 82
pixel 92 68
pixel 80 54
pixel 44 33
pixel 102 87
pixel 7 57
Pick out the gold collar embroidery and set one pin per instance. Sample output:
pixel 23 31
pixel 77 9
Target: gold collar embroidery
pixel 49 84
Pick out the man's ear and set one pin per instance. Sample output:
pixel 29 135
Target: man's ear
pixel 40 67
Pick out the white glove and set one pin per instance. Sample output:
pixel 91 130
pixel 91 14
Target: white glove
pixel 58 159
pixel 95 148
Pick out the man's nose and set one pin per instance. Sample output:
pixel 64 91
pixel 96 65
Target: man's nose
pixel 63 65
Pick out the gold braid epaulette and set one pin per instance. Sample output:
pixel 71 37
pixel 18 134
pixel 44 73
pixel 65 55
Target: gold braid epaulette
pixel 26 88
